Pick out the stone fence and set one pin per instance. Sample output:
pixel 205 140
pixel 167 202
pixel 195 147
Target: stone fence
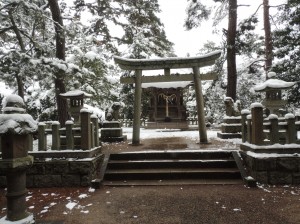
pixel 74 158
pixel 271 130
pixel 83 136
pixel 270 148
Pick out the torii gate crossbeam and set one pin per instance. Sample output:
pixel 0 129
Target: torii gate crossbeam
pixel 138 65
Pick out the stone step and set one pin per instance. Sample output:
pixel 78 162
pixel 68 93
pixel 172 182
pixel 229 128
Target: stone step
pixel 181 182
pixel 172 154
pixel 167 174
pixel 171 167
pixel 144 164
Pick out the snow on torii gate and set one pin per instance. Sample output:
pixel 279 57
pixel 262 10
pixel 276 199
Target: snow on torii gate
pixel 138 65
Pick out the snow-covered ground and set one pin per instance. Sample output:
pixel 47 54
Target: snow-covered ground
pixel 193 135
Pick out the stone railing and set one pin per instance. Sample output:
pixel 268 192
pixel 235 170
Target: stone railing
pixel 258 130
pixel 84 136
pixel 192 120
pixel 129 122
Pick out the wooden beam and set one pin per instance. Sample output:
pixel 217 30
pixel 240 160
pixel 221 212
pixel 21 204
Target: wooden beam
pixel 169 78
pixel 167 63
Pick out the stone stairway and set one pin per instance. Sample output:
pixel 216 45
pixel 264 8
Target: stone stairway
pixel 171 168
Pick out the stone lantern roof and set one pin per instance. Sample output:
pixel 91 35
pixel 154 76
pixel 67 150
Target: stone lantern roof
pixel 76 94
pixel 14 119
pixel 273 84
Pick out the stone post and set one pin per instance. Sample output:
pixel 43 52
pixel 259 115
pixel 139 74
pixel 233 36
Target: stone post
pixel 137 108
pixel 69 135
pixel 42 137
pixel 249 129
pixel 16 131
pixel 92 135
pixel 85 117
pixel 257 123
pixel 274 131
pixel 94 120
pixel 244 114
pixel 55 136
pixel 200 106
pixel 291 128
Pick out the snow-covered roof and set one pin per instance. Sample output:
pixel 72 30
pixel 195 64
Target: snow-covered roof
pixel 273 84
pixel 17 124
pixel 76 93
pixel 168 63
pixel 165 85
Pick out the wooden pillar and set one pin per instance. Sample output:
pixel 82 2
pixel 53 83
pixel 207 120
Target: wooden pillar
pixel 200 106
pixel 137 108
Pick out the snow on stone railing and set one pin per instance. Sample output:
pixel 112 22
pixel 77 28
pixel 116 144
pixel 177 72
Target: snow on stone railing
pixel 84 137
pixel 258 130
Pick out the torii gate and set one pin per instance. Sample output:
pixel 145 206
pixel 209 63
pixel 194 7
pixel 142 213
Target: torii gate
pixel 138 65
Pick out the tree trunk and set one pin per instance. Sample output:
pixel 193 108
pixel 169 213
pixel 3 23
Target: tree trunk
pixel 19 80
pixel 231 52
pixel 62 105
pixel 268 37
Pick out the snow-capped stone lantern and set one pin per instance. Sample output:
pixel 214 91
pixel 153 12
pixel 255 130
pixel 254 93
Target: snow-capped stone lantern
pixel 75 102
pixel 16 129
pixel 273 88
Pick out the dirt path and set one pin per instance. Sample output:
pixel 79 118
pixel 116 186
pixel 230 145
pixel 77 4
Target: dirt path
pixel 165 205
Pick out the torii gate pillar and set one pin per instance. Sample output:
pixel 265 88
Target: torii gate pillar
pixel 200 106
pixel 137 108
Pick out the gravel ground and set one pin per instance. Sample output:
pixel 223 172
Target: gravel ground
pixel 164 204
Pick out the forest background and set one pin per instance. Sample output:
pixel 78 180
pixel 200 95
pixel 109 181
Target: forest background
pixel 48 47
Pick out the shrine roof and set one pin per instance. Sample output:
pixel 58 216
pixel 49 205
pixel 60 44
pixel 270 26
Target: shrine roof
pixel 273 84
pixel 167 63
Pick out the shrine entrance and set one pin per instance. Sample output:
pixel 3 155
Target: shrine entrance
pixel 166 108
pixel 165 98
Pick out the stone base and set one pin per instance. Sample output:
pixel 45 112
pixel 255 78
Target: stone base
pixel 28 220
pixel 61 172
pixel 275 166
pixel 229 135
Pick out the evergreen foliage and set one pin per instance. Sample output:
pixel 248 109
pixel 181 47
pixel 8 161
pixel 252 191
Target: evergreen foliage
pixel 287 52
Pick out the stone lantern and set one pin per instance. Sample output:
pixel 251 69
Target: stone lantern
pixel 75 102
pixel 273 88
pixel 16 129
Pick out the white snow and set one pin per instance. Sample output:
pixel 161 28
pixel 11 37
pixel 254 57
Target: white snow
pixel 28 220
pixel 273 84
pixel 75 93
pixel 254 105
pixel 181 84
pixel 289 116
pixel 17 124
pixel 273 116
pixel 71 205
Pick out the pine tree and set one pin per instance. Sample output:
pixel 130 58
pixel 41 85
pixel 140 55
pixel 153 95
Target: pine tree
pixel 286 48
